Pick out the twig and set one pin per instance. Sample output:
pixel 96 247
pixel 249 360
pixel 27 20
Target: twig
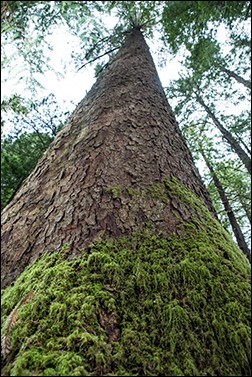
pixel 98 57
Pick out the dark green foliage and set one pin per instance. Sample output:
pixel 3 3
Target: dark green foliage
pixel 137 306
pixel 15 103
pixel 16 15
pixel 33 126
pixel 19 157
pixel 186 22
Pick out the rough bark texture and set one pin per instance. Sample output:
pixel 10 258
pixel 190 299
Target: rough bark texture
pixel 122 135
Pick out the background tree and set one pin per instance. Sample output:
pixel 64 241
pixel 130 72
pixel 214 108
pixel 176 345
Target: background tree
pixel 193 20
pixel 212 87
pixel 19 158
pixel 33 127
pixel 237 187
pixel 204 148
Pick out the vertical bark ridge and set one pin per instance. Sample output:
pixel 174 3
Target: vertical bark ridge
pixel 122 134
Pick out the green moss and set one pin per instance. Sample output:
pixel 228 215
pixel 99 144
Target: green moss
pixel 133 192
pixel 136 306
pixel 157 191
pixel 115 191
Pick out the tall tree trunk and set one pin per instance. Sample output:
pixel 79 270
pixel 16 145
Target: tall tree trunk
pixel 246 147
pixel 237 77
pixel 228 208
pixel 122 135
pixel 227 135
pixel 246 208
pixel 150 283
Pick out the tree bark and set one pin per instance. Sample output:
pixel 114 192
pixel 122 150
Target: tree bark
pixel 228 208
pixel 122 134
pixel 227 135
pixel 238 78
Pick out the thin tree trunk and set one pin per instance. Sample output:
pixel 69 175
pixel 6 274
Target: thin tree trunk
pixel 237 77
pixel 227 135
pixel 246 147
pixel 228 208
pixel 246 208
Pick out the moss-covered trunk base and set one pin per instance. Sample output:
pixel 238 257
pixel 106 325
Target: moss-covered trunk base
pixel 140 305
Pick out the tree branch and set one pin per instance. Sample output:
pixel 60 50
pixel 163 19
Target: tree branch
pixel 98 57
pixel 237 77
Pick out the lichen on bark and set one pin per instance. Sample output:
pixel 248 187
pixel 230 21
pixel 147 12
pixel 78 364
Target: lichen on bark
pixel 144 304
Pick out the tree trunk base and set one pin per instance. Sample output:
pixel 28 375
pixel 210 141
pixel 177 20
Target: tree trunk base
pixel 140 305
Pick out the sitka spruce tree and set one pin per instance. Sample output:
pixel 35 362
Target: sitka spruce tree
pixel 113 260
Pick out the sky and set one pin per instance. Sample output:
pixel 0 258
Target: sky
pixel 70 88
pixel 74 84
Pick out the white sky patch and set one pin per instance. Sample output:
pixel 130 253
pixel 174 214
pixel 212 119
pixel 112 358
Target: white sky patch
pixel 73 85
